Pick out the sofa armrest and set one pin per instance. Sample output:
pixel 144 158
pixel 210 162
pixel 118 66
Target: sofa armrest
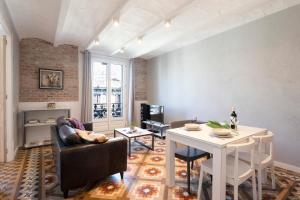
pixel 88 126
pixel 118 155
pixel 88 162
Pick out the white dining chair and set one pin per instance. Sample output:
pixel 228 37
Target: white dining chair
pixel 237 170
pixel 263 158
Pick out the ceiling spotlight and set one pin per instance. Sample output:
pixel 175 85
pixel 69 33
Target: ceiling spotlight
pixel 122 50
pixel 116 21
pixel 140 40
pixel 97 42
pixel 167 23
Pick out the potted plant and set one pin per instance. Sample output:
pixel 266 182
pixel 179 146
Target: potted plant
pixel 133 126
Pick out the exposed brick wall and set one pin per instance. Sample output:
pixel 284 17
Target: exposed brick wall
pixel 140 84
pixel 37 53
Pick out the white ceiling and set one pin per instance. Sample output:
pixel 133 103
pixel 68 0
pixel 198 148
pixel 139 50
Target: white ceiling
pixel 2 32
pixel 79 22
pixel 35 18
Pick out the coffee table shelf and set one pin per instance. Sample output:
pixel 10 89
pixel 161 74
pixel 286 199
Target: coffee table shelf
pixel 126 132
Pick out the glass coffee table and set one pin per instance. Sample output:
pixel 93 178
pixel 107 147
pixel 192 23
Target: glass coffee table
pixel 126 132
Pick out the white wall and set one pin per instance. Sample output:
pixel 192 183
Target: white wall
pixel 255 67
pixel 12 85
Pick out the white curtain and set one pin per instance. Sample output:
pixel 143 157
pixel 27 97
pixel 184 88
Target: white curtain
pixel 86 108
pixel 131 92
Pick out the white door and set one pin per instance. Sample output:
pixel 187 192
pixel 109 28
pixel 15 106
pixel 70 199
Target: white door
pixel 2 98
pixel 109 89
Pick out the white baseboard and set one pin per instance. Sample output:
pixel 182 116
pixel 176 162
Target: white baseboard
pixel 287 166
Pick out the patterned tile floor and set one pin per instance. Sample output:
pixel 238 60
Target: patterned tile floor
pixel 32 176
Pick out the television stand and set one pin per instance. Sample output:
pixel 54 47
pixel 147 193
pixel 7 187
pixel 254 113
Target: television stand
pixel 157 128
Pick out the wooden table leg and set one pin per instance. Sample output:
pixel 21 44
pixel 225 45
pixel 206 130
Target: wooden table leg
pixel 219 174
pixel 170 158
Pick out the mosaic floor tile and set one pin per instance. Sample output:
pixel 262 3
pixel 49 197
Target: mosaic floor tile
pixel 131 170
pixel 180 193
pixel 136 158
pixel 153 172
pixel 181 175
pixel 111 188
pixel 155 159
pixel 149 190
pixel 180 163
pixel 159 143
pixel 32 176
pixel 158 150
pixel 147 138
pixel 139 149
pixel 145 142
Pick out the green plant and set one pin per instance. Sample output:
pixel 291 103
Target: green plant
pixel 215 124
pixel 133 124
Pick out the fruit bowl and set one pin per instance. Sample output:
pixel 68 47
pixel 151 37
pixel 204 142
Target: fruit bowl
pixel 221 131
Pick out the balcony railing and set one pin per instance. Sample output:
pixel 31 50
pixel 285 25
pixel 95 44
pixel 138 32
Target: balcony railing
pixel 100 110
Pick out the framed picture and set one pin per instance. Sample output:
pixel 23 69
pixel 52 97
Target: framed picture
pixel 51 79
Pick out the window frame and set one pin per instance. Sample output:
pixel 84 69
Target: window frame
pixel 125 72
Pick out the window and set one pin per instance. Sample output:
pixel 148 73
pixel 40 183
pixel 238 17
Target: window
pixel 99 90
pixel 107 90
pixel 116 90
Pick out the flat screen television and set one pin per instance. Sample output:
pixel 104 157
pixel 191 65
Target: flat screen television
pixel 151 112
pixel 157 113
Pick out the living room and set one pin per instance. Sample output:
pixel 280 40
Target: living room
pixel 136 99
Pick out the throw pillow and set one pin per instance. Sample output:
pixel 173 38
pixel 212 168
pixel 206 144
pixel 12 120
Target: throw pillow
pixel 91 137
pixel 76 123
pixel 62 121
pixel 68 135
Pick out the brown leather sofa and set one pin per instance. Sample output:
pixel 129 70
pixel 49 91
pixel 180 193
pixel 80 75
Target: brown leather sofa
pixel 79 164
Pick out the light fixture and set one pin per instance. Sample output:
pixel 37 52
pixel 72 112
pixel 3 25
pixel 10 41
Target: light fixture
pixel 140 40
pixel 96 42
pixel 122 50
pixel 167 23
pixel 116 21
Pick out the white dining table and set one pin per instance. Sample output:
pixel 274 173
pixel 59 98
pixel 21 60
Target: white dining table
pixel 206 141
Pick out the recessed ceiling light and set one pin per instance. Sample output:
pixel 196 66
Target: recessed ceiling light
pixel 167 23
pixel 140 40
pixel 96 42
pixel 122 50
pixel 116 21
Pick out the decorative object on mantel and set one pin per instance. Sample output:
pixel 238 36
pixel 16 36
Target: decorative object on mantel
pixel 51 79
pixel 51 105
pixel 33 121
pixel 51 120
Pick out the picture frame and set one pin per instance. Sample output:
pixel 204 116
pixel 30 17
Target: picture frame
pixel 51 79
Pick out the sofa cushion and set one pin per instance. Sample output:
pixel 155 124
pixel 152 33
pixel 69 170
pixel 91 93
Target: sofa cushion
pixel 62 121
pixel 68 135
